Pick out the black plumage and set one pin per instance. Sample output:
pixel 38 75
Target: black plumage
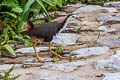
pixel 45 31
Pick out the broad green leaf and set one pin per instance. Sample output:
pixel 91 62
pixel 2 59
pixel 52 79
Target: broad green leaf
pixel 9 48
pixel 23 2
pixel 8 73
pixel 10 41
pixel 25 14
pixel 106 1
pixel 35 9
pixel 43 7
pixel 59 3
pixel 28 42
pixel 17 10
pixel 15 78
pixel 10 14
pixel 51 3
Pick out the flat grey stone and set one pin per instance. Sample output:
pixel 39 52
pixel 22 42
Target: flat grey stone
pixel 88 8
pixel 31 50
pixel 111 42
pixel 1 59
pixel 8 66
pixel 32 64
pixel 108 19
pixel 65 67
pixel 117 15
pixel 112 4
pixel 117 52
pixel 111 76
pixel 34 60
pixel 109 10
pixel 65 39
pixel 85 52
pixel 105 30
pixel 49 76
pixel 113 63
pixel 77 5
pixel 91 8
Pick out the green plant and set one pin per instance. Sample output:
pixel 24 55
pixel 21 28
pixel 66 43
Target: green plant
pixel 59 49
pixel 94 1
pixel 79 30
pixel 36 6
pixel 68 1
pixel 55 59
pixel 6 76
pixel 14 15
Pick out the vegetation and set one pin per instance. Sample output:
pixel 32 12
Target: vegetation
pixel 6 76
pixel 14 15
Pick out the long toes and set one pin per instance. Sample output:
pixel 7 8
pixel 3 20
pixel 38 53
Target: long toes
pixel 41 61
pixel 67 58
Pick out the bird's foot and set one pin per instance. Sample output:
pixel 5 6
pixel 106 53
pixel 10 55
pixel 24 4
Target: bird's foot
pixel 63 57
pixel 41 61
pixel 66 58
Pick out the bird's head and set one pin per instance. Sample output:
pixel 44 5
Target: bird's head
pixel 71 17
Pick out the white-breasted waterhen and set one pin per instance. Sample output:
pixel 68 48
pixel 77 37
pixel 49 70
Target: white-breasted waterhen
pixel 45 31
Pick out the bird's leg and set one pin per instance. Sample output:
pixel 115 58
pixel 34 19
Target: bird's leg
pixel 52 52
pixel 37 56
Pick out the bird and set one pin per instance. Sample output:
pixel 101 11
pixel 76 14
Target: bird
pixel 46 31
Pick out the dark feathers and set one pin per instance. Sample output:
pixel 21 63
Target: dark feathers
pixel 45 30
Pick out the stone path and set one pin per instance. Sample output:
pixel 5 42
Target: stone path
pixel 94 39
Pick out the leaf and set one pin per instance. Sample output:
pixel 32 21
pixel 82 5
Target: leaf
pixel 10 14
pixel 43 7
pixel 59 3
pixel 8 73
pixel 9 48
pixel 24 15
pixel 17 10
pixel 28 42
pixel 10 41
pixel 23 2
pixel 14 78
pixel 35 9
pixel 51 3
pixel 105 1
